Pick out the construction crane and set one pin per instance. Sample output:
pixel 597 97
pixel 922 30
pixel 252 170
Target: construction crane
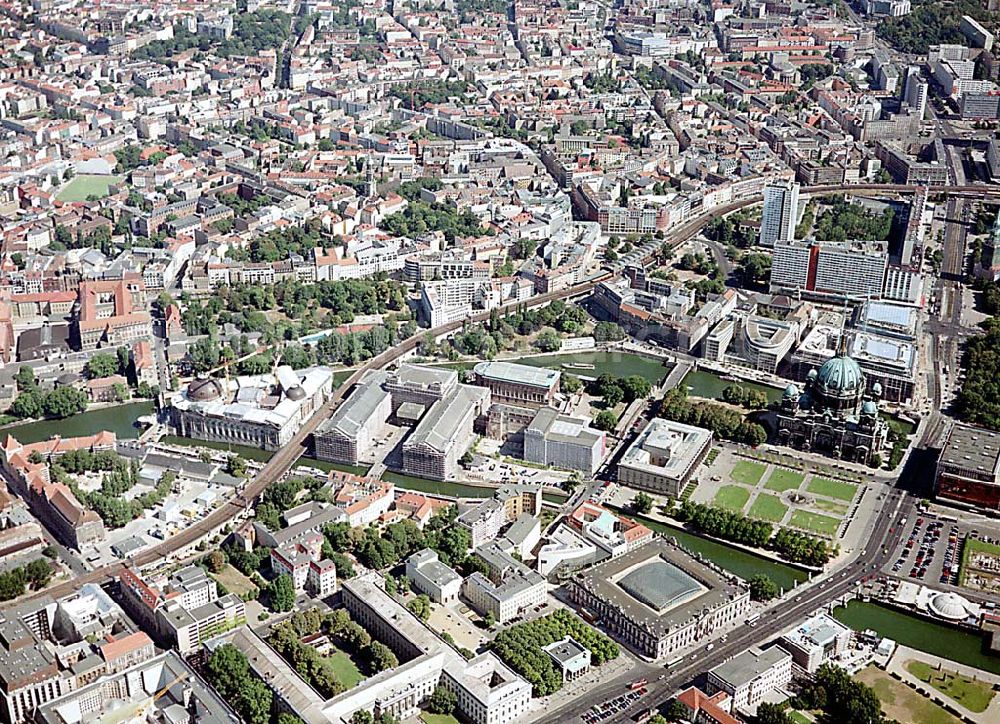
pixel 127 714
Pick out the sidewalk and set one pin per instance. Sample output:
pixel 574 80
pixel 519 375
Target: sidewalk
pixel 897 666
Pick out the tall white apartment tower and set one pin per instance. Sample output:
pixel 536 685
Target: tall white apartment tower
pixel 781 212
pixel 915 90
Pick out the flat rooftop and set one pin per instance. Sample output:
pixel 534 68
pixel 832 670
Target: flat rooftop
pixel 748 666
pixel 518 374
pixel 972 448
pixel 666 448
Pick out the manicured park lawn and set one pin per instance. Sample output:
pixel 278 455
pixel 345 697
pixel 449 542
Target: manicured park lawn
pixel 832 488
pixel 429 718
pixel 782 479
pixel 828 506
pixel 798 717
pixel 748 473
pixel 80 187
pixel 346 671
pixel 768 507
pixel 822 524
pixel 732 497
pixel 973 695
pixel 902 703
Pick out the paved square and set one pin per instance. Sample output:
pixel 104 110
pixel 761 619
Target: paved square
pixel 779 489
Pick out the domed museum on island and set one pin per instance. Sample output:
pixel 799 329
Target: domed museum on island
pixel 835 414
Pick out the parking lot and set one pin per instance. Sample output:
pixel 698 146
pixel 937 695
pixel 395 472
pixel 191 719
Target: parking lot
pixel 931 552
pixel 923 558
pixel 610 708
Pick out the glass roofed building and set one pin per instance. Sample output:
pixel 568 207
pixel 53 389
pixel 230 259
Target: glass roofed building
pixel 657 599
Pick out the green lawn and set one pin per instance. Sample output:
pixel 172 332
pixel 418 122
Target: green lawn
pixel 828 506
pixel 902 703
pixel 832 488
pixel 732 497
pixel 85 185
pixel 346 671
pixel 429 718
pixel 768 507
pixel 798 717
pixel 234 581
pixel 973 695
pixel 782 479
pixel 822 524
pixel 748 473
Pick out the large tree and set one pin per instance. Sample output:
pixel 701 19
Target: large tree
pixel 282 593
pixel 64 401
pixel 102 365
pixel 442 701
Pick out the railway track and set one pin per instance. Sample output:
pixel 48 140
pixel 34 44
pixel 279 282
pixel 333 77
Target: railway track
pixel 284 459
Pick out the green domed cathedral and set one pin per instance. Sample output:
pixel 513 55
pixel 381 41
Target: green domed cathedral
pixel 835 414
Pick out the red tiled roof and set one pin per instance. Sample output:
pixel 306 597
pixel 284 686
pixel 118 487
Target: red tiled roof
pixel 125 645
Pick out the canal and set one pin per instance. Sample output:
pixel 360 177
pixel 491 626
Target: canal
pixel 248 453
pixel 701 383
pixel 734 560
pixel 119 419
pixel 950 643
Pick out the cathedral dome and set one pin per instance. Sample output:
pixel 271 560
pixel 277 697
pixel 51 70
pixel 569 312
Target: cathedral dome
pixel 792 392
pixel 869 408
pixel 839 376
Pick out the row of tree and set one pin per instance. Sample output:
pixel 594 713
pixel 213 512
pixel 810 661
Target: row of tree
pixel 732 526
pixel 57 403
pixel 35 574
pixel 748 397
pixel 228 670
pixel 520 647
pixel 978 401
pixel 724 422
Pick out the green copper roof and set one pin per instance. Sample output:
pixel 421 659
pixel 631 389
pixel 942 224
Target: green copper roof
pixel 840 374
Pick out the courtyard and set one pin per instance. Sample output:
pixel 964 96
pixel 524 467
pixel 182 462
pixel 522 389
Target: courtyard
pixel 779 490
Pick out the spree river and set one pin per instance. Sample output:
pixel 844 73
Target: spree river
pixel 119 419
pixel 947 642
